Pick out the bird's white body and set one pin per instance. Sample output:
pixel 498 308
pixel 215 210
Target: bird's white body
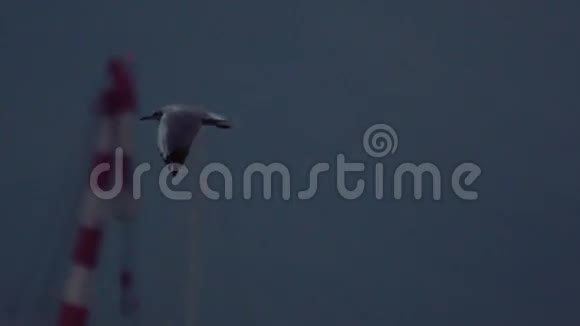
pixel 178 127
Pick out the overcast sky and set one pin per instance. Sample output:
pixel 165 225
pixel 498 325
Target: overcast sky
pixel 494 83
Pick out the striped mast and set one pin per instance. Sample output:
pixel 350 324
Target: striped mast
pixel 74 309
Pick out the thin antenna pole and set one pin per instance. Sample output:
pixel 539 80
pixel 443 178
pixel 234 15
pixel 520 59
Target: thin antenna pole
pixel 192 295
pixel 129 299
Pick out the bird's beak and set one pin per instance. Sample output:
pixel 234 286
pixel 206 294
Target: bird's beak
pixel 148 117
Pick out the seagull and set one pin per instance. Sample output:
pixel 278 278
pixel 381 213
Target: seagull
pixel 178 126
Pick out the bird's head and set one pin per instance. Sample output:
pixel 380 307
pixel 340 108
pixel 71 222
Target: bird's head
pixel 154 116
pixel 216 120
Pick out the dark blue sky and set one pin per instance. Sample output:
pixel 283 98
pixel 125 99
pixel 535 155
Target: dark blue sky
pixel 494 83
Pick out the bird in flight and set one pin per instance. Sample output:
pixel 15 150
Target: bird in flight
pixel 178 126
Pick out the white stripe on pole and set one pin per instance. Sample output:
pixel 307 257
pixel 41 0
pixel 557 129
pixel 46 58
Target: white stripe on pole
pixel 76 288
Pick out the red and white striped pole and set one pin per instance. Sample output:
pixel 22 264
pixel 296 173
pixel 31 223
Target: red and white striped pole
pixel 74 310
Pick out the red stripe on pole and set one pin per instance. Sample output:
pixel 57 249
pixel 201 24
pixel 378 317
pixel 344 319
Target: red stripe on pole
pixel 73 315
pixel 87 248
pixel 121 96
